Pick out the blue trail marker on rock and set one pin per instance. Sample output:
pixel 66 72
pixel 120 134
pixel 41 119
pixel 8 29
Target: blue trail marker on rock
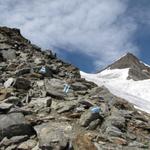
pixel 95 109
pixel 42 70
pixel 66 88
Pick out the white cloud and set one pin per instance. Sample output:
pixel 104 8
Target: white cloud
pixel 98 28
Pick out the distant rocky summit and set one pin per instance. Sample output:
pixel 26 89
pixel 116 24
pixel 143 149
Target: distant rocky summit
pixel 46 105
pixel 137 69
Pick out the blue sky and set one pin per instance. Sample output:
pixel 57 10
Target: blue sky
pixel 89 34
pixel 141 11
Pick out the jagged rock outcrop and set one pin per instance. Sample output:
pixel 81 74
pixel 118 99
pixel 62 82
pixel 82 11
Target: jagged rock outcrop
pixel 137 69
pixel 38 113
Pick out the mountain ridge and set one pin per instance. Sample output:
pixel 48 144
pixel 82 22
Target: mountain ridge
pixel 137 69
pixel 45 104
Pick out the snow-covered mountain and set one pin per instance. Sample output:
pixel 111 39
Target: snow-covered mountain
pixel 128 78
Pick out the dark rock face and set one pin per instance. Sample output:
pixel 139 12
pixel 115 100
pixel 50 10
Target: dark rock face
pixel 22 83
pixel 14 124
pixel 36 111
pixel 137 71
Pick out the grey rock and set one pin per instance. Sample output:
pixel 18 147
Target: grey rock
pixel 126 114
pixel 94 124
pixel 113 131
pixel 19 139
pixel 9 82
pixel 12 99
pixel 27 145
pixel 54 88
pixel 14 124
pixel 54 135
pixel 77 86
pixel 41 102
pixel 117 121
pixel 9 54
pixel 87 117
pixel 40 83
pixel 13 140
pixel 65 106
pixel 5 107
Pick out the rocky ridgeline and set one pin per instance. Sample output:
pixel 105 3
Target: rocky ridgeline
pixel 137 69
pixel 35 113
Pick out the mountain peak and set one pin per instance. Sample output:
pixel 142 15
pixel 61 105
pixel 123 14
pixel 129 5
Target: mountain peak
pixel 127 61
pixel 137 69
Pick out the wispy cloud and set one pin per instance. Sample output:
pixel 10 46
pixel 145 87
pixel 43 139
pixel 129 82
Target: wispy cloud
pixel 98 28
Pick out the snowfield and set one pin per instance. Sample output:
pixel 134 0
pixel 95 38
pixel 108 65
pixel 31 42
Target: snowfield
pixel 136 92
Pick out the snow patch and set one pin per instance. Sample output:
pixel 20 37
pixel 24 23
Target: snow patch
pixel 136 92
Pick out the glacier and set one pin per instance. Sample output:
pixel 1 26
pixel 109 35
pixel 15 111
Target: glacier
pixel 136 92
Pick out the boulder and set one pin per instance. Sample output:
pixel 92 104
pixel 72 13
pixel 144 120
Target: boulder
pixel 9 54
pixel 87 117
pixel 41 102
pixel 54 88
pixel 116 119
pixel 4 107
pixel 22 83
pixel 54 135
pixel 14 124
pixel 78 86
pixel 9 82
pixel 64 106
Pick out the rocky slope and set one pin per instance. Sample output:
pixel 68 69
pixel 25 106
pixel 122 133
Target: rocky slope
pixel 137 69
pixel 35 113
